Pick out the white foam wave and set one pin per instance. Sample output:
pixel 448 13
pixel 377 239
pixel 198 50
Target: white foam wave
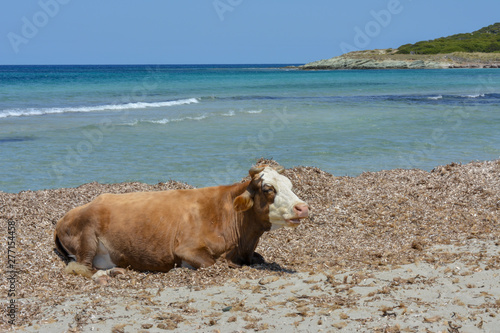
pixel 133 123
pixel 190 118
pixel 197 118
pixel 435 97
pixel 175 120
pixel 165 121
pixel 161 121
pixel 472 96
pixel 229 114
pixel 106 107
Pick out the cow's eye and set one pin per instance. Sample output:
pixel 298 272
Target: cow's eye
pixel 268 190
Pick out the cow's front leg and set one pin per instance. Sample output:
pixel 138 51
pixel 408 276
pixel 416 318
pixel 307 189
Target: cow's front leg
pixel 236 261
pixel 195 258
pixel 257 259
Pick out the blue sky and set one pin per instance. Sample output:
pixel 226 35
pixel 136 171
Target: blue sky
pixel 223 31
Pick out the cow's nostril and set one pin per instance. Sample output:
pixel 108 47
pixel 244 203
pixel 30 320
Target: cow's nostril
pixel 302 210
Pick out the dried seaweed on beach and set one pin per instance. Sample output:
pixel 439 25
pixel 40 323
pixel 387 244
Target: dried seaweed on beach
pixel 376 220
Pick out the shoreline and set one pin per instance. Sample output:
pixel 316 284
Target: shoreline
pixel 392 250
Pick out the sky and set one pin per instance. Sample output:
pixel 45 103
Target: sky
pixel 223 31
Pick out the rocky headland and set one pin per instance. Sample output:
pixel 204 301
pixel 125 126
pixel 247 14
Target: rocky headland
pixel 389 59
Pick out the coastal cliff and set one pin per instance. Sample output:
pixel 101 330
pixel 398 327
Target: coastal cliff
pixel 389 59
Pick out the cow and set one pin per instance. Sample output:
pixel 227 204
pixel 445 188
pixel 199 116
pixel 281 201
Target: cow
pixel 157 231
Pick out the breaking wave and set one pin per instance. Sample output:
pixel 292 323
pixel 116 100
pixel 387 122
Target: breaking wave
pixel 105 107
pixel 435 98
pixel 473 96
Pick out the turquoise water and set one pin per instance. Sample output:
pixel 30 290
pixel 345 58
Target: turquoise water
pixel 62 126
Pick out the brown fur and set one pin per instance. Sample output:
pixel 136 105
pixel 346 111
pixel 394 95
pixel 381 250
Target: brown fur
pixel 156 231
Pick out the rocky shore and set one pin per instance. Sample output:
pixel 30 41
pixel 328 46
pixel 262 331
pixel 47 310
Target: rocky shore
pixel 387 59
pixel 389 251
pixel 349 63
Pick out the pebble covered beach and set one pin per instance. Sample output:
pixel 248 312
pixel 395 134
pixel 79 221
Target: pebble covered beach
pixel 388 251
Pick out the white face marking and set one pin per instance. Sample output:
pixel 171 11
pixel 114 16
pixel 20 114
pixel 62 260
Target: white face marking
pixel 284 201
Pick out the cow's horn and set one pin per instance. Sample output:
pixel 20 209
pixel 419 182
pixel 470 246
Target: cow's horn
pixel 279 169
pixel 255 170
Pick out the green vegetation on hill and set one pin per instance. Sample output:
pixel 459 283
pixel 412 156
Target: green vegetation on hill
pixel 485 40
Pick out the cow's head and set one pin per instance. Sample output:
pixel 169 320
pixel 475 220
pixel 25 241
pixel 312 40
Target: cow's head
pixel 270 195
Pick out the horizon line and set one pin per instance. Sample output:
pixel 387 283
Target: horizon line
pixel 161 64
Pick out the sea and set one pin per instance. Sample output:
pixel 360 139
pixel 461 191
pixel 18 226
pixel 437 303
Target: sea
pixel 64 126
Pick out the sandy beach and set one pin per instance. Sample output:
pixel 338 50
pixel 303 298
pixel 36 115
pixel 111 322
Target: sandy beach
pixel 389 251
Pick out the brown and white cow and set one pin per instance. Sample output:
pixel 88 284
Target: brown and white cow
pixel 157 231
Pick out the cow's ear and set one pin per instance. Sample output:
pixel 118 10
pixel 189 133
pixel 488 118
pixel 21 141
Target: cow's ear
pixel 279 169
pixel 243 202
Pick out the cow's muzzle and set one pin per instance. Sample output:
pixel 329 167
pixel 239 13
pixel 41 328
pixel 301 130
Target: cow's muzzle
pixel 301 211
